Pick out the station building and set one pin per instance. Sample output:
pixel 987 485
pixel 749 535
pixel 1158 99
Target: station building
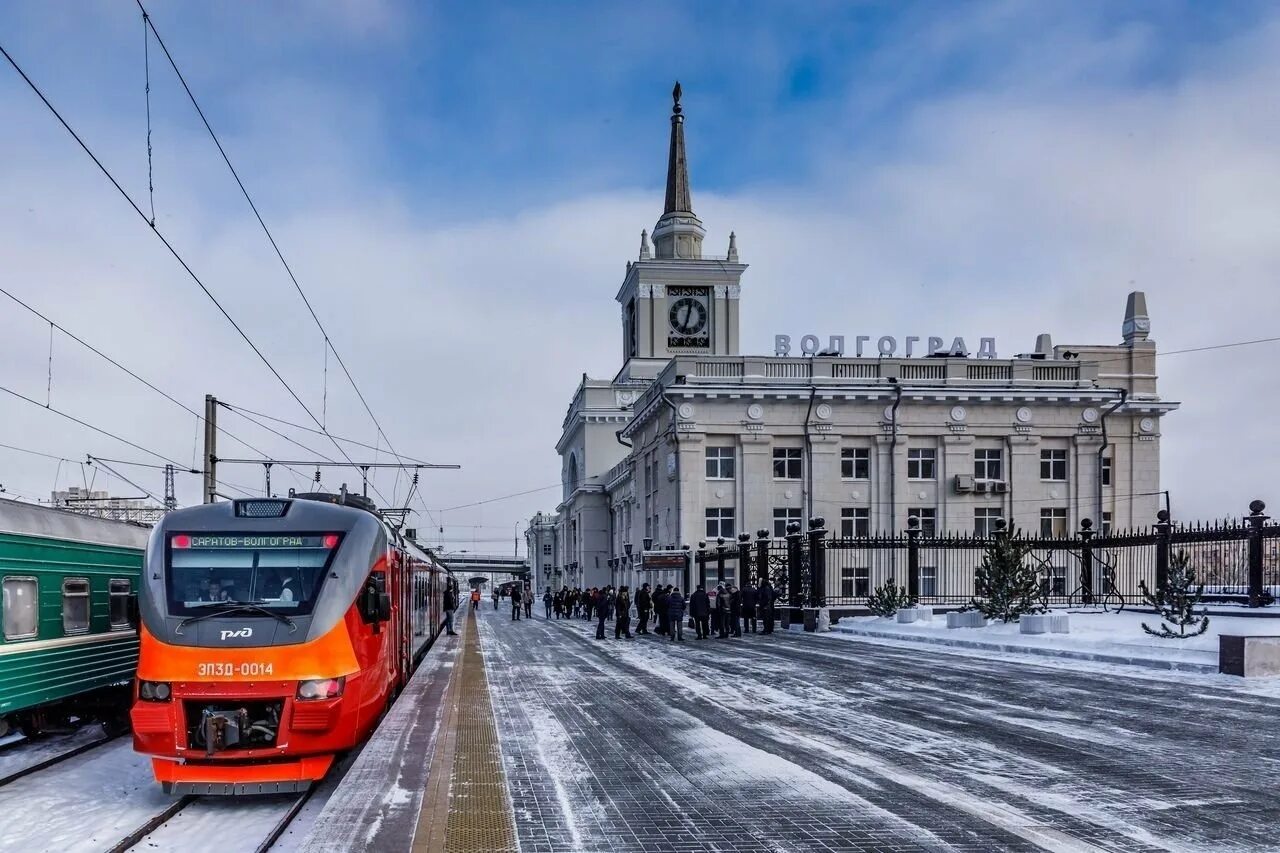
pixel 692 440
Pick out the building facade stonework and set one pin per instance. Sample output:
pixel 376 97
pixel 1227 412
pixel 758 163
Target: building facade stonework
pixel 691 440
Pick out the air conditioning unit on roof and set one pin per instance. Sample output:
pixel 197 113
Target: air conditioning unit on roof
pixel 964 483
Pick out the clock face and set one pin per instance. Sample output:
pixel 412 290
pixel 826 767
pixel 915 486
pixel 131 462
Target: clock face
pixel 688 316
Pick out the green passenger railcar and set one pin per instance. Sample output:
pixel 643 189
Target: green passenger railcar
pixel 67 647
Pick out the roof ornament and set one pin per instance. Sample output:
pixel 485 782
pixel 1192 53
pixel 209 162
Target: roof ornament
pixel 644 244
pixel 733 248
pixel 675 97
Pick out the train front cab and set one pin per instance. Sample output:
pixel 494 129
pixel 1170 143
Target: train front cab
pixel 269 644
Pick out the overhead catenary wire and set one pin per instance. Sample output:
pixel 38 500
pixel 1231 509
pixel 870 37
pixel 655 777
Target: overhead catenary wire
pixel 169 246
pixel 133 375
pixel 148 21
pixel 241 409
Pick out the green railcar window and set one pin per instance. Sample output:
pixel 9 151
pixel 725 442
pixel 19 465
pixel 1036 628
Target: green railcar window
pixel 119 590
pixel 75 606
pixel 20 619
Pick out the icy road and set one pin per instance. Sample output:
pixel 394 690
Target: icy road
pixel 803 743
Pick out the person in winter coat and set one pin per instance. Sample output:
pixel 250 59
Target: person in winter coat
pixel 675 615
pixel 735 610
pixel 495 598
pixel 660 609
pixel 715 609
pixel 475 598
pixel 515 604
pixel 749 599
pixel 622 614
pixel 547 600
pixel 644 605
pixel 602 612
pixel 767 596
pixel 526 598
pixel 700 611
pixel 721 618
pixel 450 604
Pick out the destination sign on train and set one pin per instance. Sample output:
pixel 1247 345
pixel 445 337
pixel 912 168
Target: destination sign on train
pixel 184 541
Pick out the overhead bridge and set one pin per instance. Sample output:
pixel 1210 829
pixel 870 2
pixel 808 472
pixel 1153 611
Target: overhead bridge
pixel 491 568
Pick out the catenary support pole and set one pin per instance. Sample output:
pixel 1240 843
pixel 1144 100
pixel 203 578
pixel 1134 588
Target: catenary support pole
pixel 210 449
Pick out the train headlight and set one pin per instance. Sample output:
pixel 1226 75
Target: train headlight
pixel 154 691
pixel 321 688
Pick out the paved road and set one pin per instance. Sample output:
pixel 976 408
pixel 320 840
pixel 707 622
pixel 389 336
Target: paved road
pixel 805 743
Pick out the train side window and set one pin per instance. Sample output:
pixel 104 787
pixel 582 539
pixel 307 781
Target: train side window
pixel 20 608
pixel 75 606
pixel 119 590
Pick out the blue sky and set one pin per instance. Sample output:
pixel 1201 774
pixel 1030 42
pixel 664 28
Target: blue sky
pixel 459 186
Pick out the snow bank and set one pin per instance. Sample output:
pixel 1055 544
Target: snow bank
pixel 1105 637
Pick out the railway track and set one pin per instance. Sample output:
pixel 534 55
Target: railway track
pixel 158 822
pixel 52 760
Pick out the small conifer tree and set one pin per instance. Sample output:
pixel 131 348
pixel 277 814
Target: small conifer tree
pixel 888 599
pixel 1177 601
pixel 1007 587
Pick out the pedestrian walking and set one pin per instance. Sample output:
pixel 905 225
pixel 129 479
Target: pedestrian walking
pixel 721 618
pixel 660 609
pixel 450 602
pixel 526 598
pixel 644 604
pixel 622 614
pixel 515 604
pixel 602 612
pixel 735 610
pixel 767 597
pixel 495 598
pixel 700 610
pixel 675 615
pixel 547 600
pixel 475 598
pixel 749 598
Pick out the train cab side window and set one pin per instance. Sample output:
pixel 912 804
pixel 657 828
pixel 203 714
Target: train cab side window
pixel 119 590
pixel 20 608
pixel 75 606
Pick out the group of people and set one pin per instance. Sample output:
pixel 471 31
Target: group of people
pixel 521 601
pixel 728 611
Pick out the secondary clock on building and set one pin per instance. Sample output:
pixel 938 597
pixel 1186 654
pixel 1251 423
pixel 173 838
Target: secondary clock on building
pixel 688 316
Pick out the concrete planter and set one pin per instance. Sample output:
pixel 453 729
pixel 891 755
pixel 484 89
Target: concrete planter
pixel 1034 623
pixel 1059 623
pixel 955 619
pixel 915 614
pixel 824 620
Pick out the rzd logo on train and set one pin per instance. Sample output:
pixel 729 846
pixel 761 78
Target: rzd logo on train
pixel 243 632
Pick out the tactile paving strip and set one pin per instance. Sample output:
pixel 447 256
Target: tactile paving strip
pixel 480 816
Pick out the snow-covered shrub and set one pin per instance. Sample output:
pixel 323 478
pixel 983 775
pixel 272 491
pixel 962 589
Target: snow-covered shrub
pixel 1177 601
pixel 1007 587
pixel 888 599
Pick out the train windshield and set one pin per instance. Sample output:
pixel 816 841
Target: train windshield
pixel 282 572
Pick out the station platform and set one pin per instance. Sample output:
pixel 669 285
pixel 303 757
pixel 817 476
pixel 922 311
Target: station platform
pixel 535 736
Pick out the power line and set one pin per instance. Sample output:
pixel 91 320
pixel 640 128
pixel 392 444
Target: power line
pixel 169 246
pixel 93 349
pixel 275 246
pixel 242 410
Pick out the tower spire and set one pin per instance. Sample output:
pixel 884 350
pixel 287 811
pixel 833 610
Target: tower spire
pixel 678 200
pixel 679 232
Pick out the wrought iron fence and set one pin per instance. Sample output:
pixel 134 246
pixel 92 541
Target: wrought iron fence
pixel 1237 561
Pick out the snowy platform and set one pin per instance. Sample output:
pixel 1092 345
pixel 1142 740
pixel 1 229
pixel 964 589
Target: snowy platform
pixel 1114 638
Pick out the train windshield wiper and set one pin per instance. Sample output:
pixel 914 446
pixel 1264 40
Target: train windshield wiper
pixel 236 607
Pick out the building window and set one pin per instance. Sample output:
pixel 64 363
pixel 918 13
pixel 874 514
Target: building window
pixel 928 581
pixel 783 516
pixel 119 590
pixel 922 463
pixel 987 464
pixel 928 520
pixel 1106 470
pixel 1106 524
pixel 719 463
pixel 855 522
pixel 20 616
pixel 984 521
pixel 546 549
pixel 75 606
pixel 1053 522
pixel 788 463
pixel 720 522
pixel 855 463
pixel 855 581
pixel 1053 465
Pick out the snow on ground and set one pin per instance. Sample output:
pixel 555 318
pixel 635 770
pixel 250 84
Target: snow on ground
pixel 1107 637
pixel 219 825
pixel 86 803
pixel 24 753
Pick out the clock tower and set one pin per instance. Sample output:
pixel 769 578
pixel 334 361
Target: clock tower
pixel 676 300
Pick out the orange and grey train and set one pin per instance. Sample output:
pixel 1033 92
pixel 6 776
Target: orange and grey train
pixel 274 634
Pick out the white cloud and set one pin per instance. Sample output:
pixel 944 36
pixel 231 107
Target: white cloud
pixel 1007 212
